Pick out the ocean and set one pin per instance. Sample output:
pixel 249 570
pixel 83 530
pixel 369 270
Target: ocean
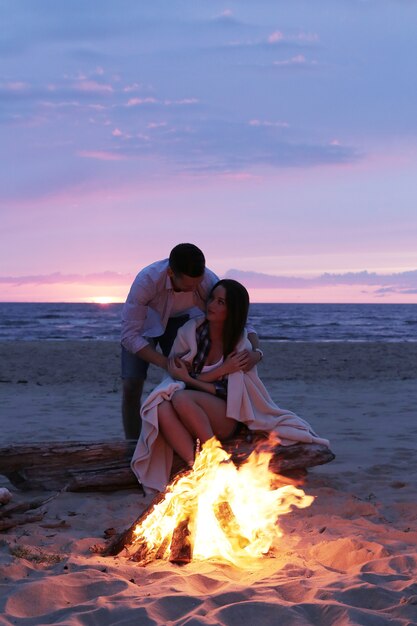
pixel 273 322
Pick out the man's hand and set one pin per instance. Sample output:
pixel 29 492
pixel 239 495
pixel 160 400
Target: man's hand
pixel 253 359
pixel 236 362
pixel 178 369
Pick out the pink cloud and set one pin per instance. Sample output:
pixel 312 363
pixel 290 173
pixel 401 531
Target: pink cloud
pixel 101 155
pixel 149 100
pixel 400 283
pixel 298 60
pixel 267 123
pixel 156 125
pixel 302 37
pixel 349 287
pixel 133 102
pixel 239 176
pixel 275 37
pixel 100 278
pixel 183 101
pixel 92 86
pixel 16 86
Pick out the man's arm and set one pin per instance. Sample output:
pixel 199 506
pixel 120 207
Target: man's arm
pixel 254 355
pixel 149 354
pixel 135 312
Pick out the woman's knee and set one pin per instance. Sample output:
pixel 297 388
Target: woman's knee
pixel 181 400
pixel 165 412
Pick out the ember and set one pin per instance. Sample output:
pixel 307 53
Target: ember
pixel 217 511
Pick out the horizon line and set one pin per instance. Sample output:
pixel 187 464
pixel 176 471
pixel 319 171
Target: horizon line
pixel 105 304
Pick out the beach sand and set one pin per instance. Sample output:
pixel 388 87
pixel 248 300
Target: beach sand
pixel 350 558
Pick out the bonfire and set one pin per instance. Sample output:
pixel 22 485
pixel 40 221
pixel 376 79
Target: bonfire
pixel 217 511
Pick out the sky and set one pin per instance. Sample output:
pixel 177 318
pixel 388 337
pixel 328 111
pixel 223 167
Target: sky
pixel 278 135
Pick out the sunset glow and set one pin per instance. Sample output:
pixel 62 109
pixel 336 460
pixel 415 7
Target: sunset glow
pixel 109 162
pixel 104 300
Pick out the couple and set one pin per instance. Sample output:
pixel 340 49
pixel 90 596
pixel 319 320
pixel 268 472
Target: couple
pixel 212 385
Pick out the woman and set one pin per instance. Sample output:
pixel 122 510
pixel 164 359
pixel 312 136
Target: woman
pixel 199 411
pixel 207 393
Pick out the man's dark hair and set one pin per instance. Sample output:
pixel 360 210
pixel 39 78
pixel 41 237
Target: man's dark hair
pixel 237 303
pixel 187 259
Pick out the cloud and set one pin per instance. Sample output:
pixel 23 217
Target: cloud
pixel 301 37
pixel 385 284
pixel 14 87
pixel 297 61
pixel 101 278
pixel 225 17
pixel 268 123
pixel 133 102
pixel 86 116
pixel 201 146
pixel 149 100
pixel 101 155
pixel 275 37
pixel 395 283
pixel 92 86
pixel 278 39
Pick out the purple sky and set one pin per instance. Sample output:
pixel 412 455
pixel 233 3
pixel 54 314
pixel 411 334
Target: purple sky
pixel 279 136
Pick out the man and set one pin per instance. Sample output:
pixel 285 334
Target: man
pixel 163 296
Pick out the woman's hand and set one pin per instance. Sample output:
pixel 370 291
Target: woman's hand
pixel 236 361
pixel 178 369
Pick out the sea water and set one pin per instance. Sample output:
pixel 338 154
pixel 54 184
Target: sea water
pixel 273 322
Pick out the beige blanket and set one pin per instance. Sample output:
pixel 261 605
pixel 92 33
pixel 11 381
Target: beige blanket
pixel 248 402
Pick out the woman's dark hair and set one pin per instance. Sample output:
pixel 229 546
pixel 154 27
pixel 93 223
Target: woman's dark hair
pixel 187 259
pixel 237 303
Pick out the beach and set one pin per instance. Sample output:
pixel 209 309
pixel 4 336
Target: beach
pixel 349 558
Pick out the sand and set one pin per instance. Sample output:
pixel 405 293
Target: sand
pixel 350 558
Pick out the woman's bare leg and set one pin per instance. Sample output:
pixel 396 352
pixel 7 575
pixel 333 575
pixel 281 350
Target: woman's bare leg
pixel 175 433
pixel 203 414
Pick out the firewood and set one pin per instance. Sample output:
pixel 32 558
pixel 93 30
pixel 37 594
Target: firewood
pixel 126 538
pixel 181 549
pixel 142 554
pixel 160 553
pixel 229 524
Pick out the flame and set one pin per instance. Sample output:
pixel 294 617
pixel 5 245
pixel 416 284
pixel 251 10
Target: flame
pixel 230 513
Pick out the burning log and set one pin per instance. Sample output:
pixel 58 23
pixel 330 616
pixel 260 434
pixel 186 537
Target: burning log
pixel 178 546
pixel 105 466
pixel 127 537
pixel 229 524
pixel 181 550
pixel 143 555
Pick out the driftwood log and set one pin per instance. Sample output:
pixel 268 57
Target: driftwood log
pixel 11 514
pixel 105 466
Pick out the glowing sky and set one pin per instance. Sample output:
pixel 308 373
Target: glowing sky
pixel 279 136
